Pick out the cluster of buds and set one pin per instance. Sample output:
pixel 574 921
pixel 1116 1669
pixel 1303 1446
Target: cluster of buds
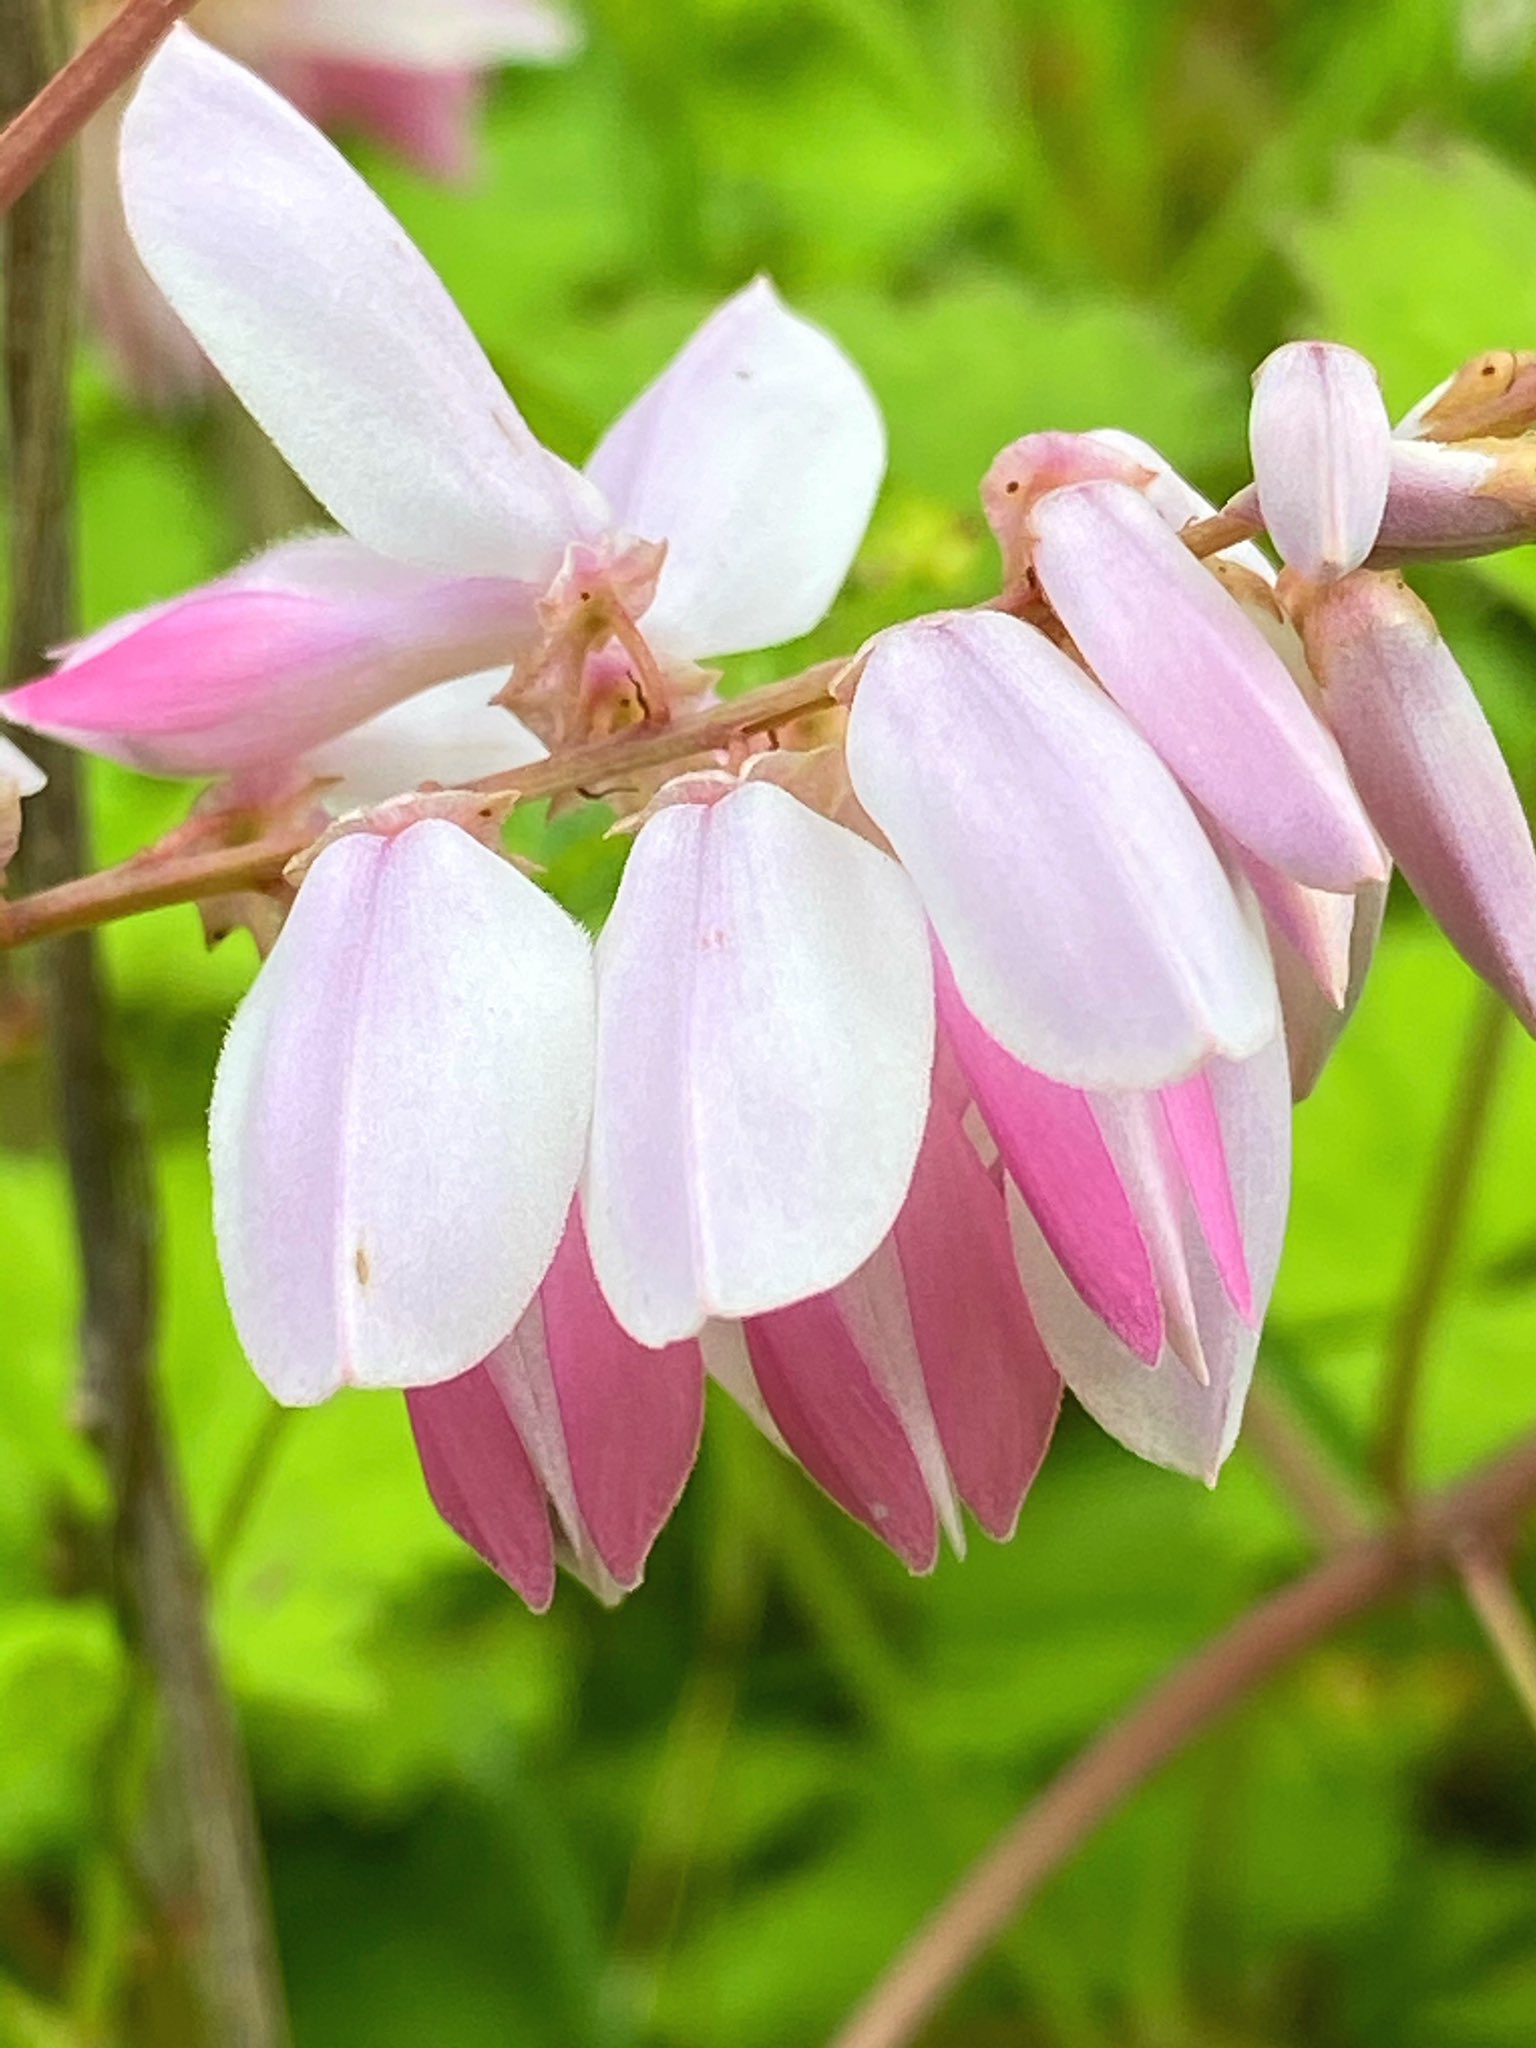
pixel 408 75
pixel 941 1045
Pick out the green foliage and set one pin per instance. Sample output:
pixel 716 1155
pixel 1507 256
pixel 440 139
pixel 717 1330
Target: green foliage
pixel 712 1815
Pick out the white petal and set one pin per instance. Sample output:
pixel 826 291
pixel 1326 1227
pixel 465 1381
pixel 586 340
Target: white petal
pixel 399 1115
pixel 765 1038
pixel 428 34
pixel 756 456
pixel 453 734
pixel 1090 926
pixel 309 297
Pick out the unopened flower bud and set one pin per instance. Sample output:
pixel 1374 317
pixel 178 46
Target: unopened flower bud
pixel 1492 395
pixel 1322 450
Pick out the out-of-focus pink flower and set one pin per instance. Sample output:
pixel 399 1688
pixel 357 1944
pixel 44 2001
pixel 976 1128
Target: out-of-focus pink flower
pixel 407 72
pixel 719 514
pixel 399 1115
pixel 570 1441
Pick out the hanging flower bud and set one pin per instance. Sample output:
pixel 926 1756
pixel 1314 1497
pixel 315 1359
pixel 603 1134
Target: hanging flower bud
pixel 1431 774
pixel 1492 395
pixel 1322 449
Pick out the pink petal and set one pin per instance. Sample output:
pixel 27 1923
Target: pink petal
pixel 1315 923
pixel 765 1038
pixel 1167 1415
pixel 1177 499
pixel 821 1388
pixel 1091 928
pixel 617 1431
pixel 260 667
pixel 1431 772
pixel 1189 1108
pixel 1313 1022
pixel 399 1115
pixel 481 1482
pixel 1052 1149
pixel 1322 455
pixel 1444 503
pixel 1200 681
pixel 332 330
pixel 993 1390
pixel 755 456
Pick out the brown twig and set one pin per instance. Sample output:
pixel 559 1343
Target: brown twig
pixel 1221 530
pixel 148 882
pixel 1216 1679
pixel 50 121
pixel 1438 1239
pixel 157 1583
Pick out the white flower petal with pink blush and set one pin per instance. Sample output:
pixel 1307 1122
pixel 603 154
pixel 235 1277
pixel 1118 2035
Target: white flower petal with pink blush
pixel 1430 770
pixel 1177 499
pixel 23 776
pixel 1201 682
pixel 309 298
pixel 1314 1021
pixel 399 1115
pixel 600 1431
pixel 297 646
pixel 756 455
pixel 451 734
pixel 1091 929
pixel 1322 455
pixel 429 35
pixel 1169 1415
pixel 765 1038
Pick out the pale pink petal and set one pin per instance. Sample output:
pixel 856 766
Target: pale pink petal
pixel 765 1038
pixel 427 117
pixel 1200 681
pixel 428 35
pixel 451 734
pixel 1091 928
pixel 755 456
pixel 1177 499
pixel 24 776
pixel 310 299
pixel 481 1482
pixel 612 1427
pixel 822 1390
pixel 1313 1022
pixel 1167 1415
pixel 1445 503
pixel 1315 923
pixel 991 1385
pixel 1322 455
pixel 1054 1152
pixel 399 1115
pixel 1189 1108
pixel 1139 1142
pixel 267 663
pixel 1431 772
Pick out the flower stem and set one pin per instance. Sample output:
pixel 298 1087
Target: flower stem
pixel 1504 1620
pixel 156 1580
pixel 1210 1684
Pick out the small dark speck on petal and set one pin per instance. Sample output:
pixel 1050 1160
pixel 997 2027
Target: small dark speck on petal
pixel 360 1263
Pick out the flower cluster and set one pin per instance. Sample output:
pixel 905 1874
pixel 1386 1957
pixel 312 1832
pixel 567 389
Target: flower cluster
pixel 941 1045
pixel 405 73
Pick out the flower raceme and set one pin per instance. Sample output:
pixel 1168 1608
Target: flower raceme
pixel 935 1058
pixel 409 75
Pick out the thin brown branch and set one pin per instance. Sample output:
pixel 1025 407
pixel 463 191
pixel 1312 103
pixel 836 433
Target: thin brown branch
pixel 1221 530
pixel 50 121
pixel 1214 1681
pixel 1503 1618
pixel 156 1579
pixel 1439 1238
pixel 150 882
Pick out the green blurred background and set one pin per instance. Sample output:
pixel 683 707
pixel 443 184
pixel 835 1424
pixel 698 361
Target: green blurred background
pixel 709 1817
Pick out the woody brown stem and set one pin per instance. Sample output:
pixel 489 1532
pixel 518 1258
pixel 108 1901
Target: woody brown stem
pixel 149 882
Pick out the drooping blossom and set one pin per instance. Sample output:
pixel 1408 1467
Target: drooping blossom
pixel 407 73
pixel 1322 456
pixel 719 514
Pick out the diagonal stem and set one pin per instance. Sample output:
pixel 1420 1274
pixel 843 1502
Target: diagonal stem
pixel 1216 1679
pixel 67 100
